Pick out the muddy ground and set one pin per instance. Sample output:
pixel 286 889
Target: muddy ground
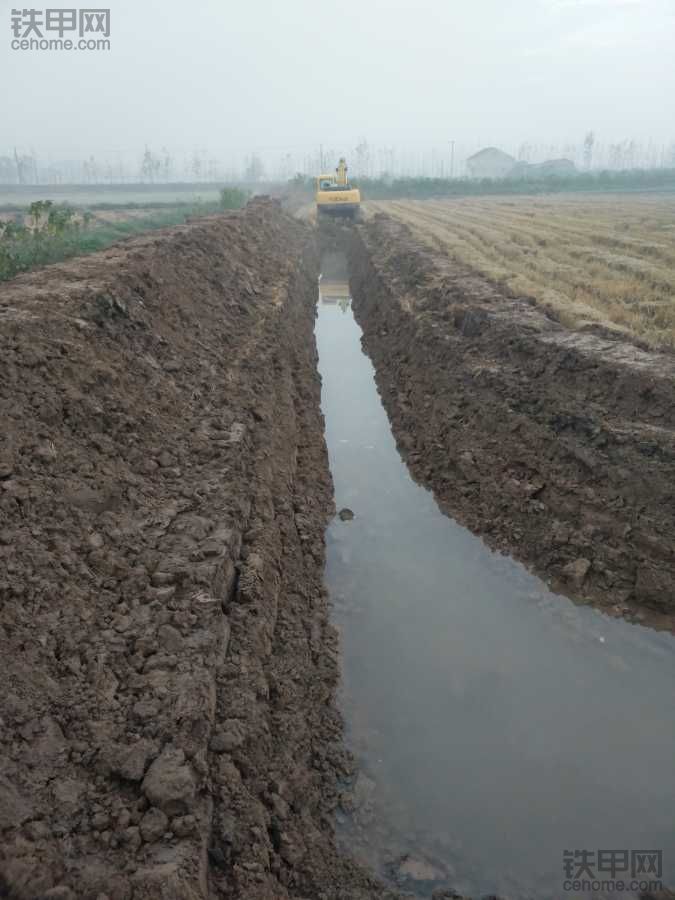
pixel 167 718
pixel 167 725
pixel 556 446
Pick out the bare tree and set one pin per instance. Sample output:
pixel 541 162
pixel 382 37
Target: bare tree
pixel 362 157
pixel 525 152
pixel 8 170
pixel 150 166
pixel 616 155
pixel 26 168
pixel 286 167
pixel 167 165
pixel 254 169
pixel 589 140
pixel 90 169
pixel 196 166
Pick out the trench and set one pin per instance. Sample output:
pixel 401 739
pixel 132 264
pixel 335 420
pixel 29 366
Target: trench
pixel 495 725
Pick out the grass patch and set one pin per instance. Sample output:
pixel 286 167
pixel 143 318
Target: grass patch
pixel 55 232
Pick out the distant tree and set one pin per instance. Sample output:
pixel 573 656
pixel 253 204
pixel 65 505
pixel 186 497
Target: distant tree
pixel 90 169
pixel 54 175
pixel 286 166
pixel 196 166
pixel 616 156
pixel 525 152
pixel 589 140
pixel 150 166
pixel 26 168
pixel 167 165
pixel 632 152
pixel 623 155
pixel 255 168
pixel 8 171
pixel 362 157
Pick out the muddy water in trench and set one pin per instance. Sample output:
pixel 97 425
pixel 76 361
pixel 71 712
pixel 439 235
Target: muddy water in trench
pixel 495 724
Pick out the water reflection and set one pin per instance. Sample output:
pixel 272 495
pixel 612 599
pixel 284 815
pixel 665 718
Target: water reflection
pixel 495 724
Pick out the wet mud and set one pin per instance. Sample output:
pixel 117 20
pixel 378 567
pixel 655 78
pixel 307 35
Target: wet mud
pixel 167 725
pixel 555 446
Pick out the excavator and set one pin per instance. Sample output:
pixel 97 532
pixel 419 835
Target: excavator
pixel 335 196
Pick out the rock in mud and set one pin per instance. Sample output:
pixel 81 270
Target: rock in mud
pixel 170 782
pixel 576 571
pixel 153 825
pixel 228 737
pixel 129 761
pixel 346 514
pixel 416 868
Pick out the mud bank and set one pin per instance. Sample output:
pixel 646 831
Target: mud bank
pixel 168 667
pixel 556 446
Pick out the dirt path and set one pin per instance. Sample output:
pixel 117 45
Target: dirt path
pixel 556 446
pixel 168 668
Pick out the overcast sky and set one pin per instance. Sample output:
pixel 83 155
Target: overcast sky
pixel 285 75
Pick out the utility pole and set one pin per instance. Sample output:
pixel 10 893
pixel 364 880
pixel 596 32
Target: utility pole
pixel 452 159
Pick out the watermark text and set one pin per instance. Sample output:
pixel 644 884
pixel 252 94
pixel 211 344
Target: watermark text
pixel 60 29
pixel 612 870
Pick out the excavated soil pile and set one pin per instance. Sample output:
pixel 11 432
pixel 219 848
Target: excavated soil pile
pixel 166 718
pixel 557 446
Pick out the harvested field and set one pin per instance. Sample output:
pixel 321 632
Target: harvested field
pixel 556 445
pixel 168 727
pixel 594 262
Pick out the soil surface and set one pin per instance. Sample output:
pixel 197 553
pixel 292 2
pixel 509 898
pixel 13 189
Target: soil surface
pixel 556 446
pixel 167 725
pixel 167 718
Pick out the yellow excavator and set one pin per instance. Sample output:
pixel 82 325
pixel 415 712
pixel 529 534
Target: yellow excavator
pixel 335 196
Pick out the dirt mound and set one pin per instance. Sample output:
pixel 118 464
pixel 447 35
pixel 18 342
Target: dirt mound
pixel 168 665
pixel 557 446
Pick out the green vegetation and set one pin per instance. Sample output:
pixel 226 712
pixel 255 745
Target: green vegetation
pixel 423 188
pixel 233 198
pixel 92 196
pixel 54 232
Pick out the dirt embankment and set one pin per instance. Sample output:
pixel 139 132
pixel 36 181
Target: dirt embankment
pixel 557 446
pixel 168 668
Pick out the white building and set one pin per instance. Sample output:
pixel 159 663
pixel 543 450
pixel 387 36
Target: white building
pixel 490 163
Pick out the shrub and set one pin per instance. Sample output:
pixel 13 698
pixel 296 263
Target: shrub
pixel 232 198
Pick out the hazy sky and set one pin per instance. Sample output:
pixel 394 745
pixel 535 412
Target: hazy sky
pixel 285 75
